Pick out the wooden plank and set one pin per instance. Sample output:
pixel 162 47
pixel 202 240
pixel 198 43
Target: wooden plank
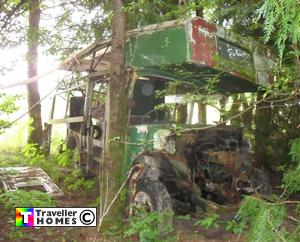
pixel 99 73
pixel 70 89
pixel 78 119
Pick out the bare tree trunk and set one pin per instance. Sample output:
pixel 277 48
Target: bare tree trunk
pixel 235 110
pixel 247 117
pixel 33 96
pixel 263 128
pixel 116 110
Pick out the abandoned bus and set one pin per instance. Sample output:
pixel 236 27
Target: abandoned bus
pixel 180 68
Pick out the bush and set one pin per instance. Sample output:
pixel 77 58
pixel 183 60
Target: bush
pixel 21 198
pixel 151 227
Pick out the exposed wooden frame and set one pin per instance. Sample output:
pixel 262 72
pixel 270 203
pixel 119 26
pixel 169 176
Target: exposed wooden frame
pixel 78 119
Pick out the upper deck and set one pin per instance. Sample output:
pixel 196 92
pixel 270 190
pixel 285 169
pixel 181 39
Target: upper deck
pixel 191 50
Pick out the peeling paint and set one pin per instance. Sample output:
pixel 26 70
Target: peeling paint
pixel 163 141
pixel 142 129
pixel 203 44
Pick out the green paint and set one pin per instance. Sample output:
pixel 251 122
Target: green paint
pixel 168 46
pixel 140 139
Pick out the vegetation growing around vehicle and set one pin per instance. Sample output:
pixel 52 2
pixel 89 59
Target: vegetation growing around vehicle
pixel 267 219
pixel 151 227
pixel 21 198
pixel 270 117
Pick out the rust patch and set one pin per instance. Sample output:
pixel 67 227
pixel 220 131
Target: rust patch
pixel 231 160
pixel 28 178
pixel 208 26
pixel 204 45
pixel 133 183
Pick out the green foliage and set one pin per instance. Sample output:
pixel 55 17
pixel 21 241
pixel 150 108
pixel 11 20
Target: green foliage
pixel 282 18
pixel 8 103
pixel 291 177
pixel 264 219
pixel 76 24
pixel 54 166
pixel 21 198
pixel 141 12
pixel 7 106
pixel 72 181
pixel 114 232
pixel 210 220
pixel 75 182
pixel 291 180
pixel 114 139
pixel 32 156
pixel 235 227
pixel 295 149
pixel 151 226
pixel 18 234
pixel 63 158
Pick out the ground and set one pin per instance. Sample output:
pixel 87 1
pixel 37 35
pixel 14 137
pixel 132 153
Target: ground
pixel 184 230
pixel 184 227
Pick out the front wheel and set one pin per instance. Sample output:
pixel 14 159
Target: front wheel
pixel 150 195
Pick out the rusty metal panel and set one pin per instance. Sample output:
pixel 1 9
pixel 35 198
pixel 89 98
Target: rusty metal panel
pixel 28 178
pixel 203 42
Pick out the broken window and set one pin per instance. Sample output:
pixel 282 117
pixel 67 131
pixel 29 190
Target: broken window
pixel 145 102
pixel 235 54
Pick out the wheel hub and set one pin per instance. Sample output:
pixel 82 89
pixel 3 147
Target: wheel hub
pixel 142 203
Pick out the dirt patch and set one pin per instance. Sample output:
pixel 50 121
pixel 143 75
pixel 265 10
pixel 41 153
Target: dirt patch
pixel 184 230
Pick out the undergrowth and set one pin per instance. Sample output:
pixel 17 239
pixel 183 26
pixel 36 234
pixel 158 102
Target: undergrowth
pixel 60 166
pixel 152 227
pixel 20 198
pixel 267 220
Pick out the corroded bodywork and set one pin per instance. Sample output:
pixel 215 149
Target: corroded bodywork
pixel 195 163
pixel 200 47
pixel 214 164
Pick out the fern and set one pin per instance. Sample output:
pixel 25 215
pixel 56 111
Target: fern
pixel 284 18
pixel 235 227
pixel 210 220
pixel 151 226
pixel 291 178
pixel 264 219
pixel 295 149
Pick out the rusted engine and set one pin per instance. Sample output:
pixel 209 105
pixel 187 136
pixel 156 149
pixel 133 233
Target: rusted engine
pixel 220 160
pixel 210 164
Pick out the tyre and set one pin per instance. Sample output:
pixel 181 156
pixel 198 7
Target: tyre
pixel 150 195
pixel 261 183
